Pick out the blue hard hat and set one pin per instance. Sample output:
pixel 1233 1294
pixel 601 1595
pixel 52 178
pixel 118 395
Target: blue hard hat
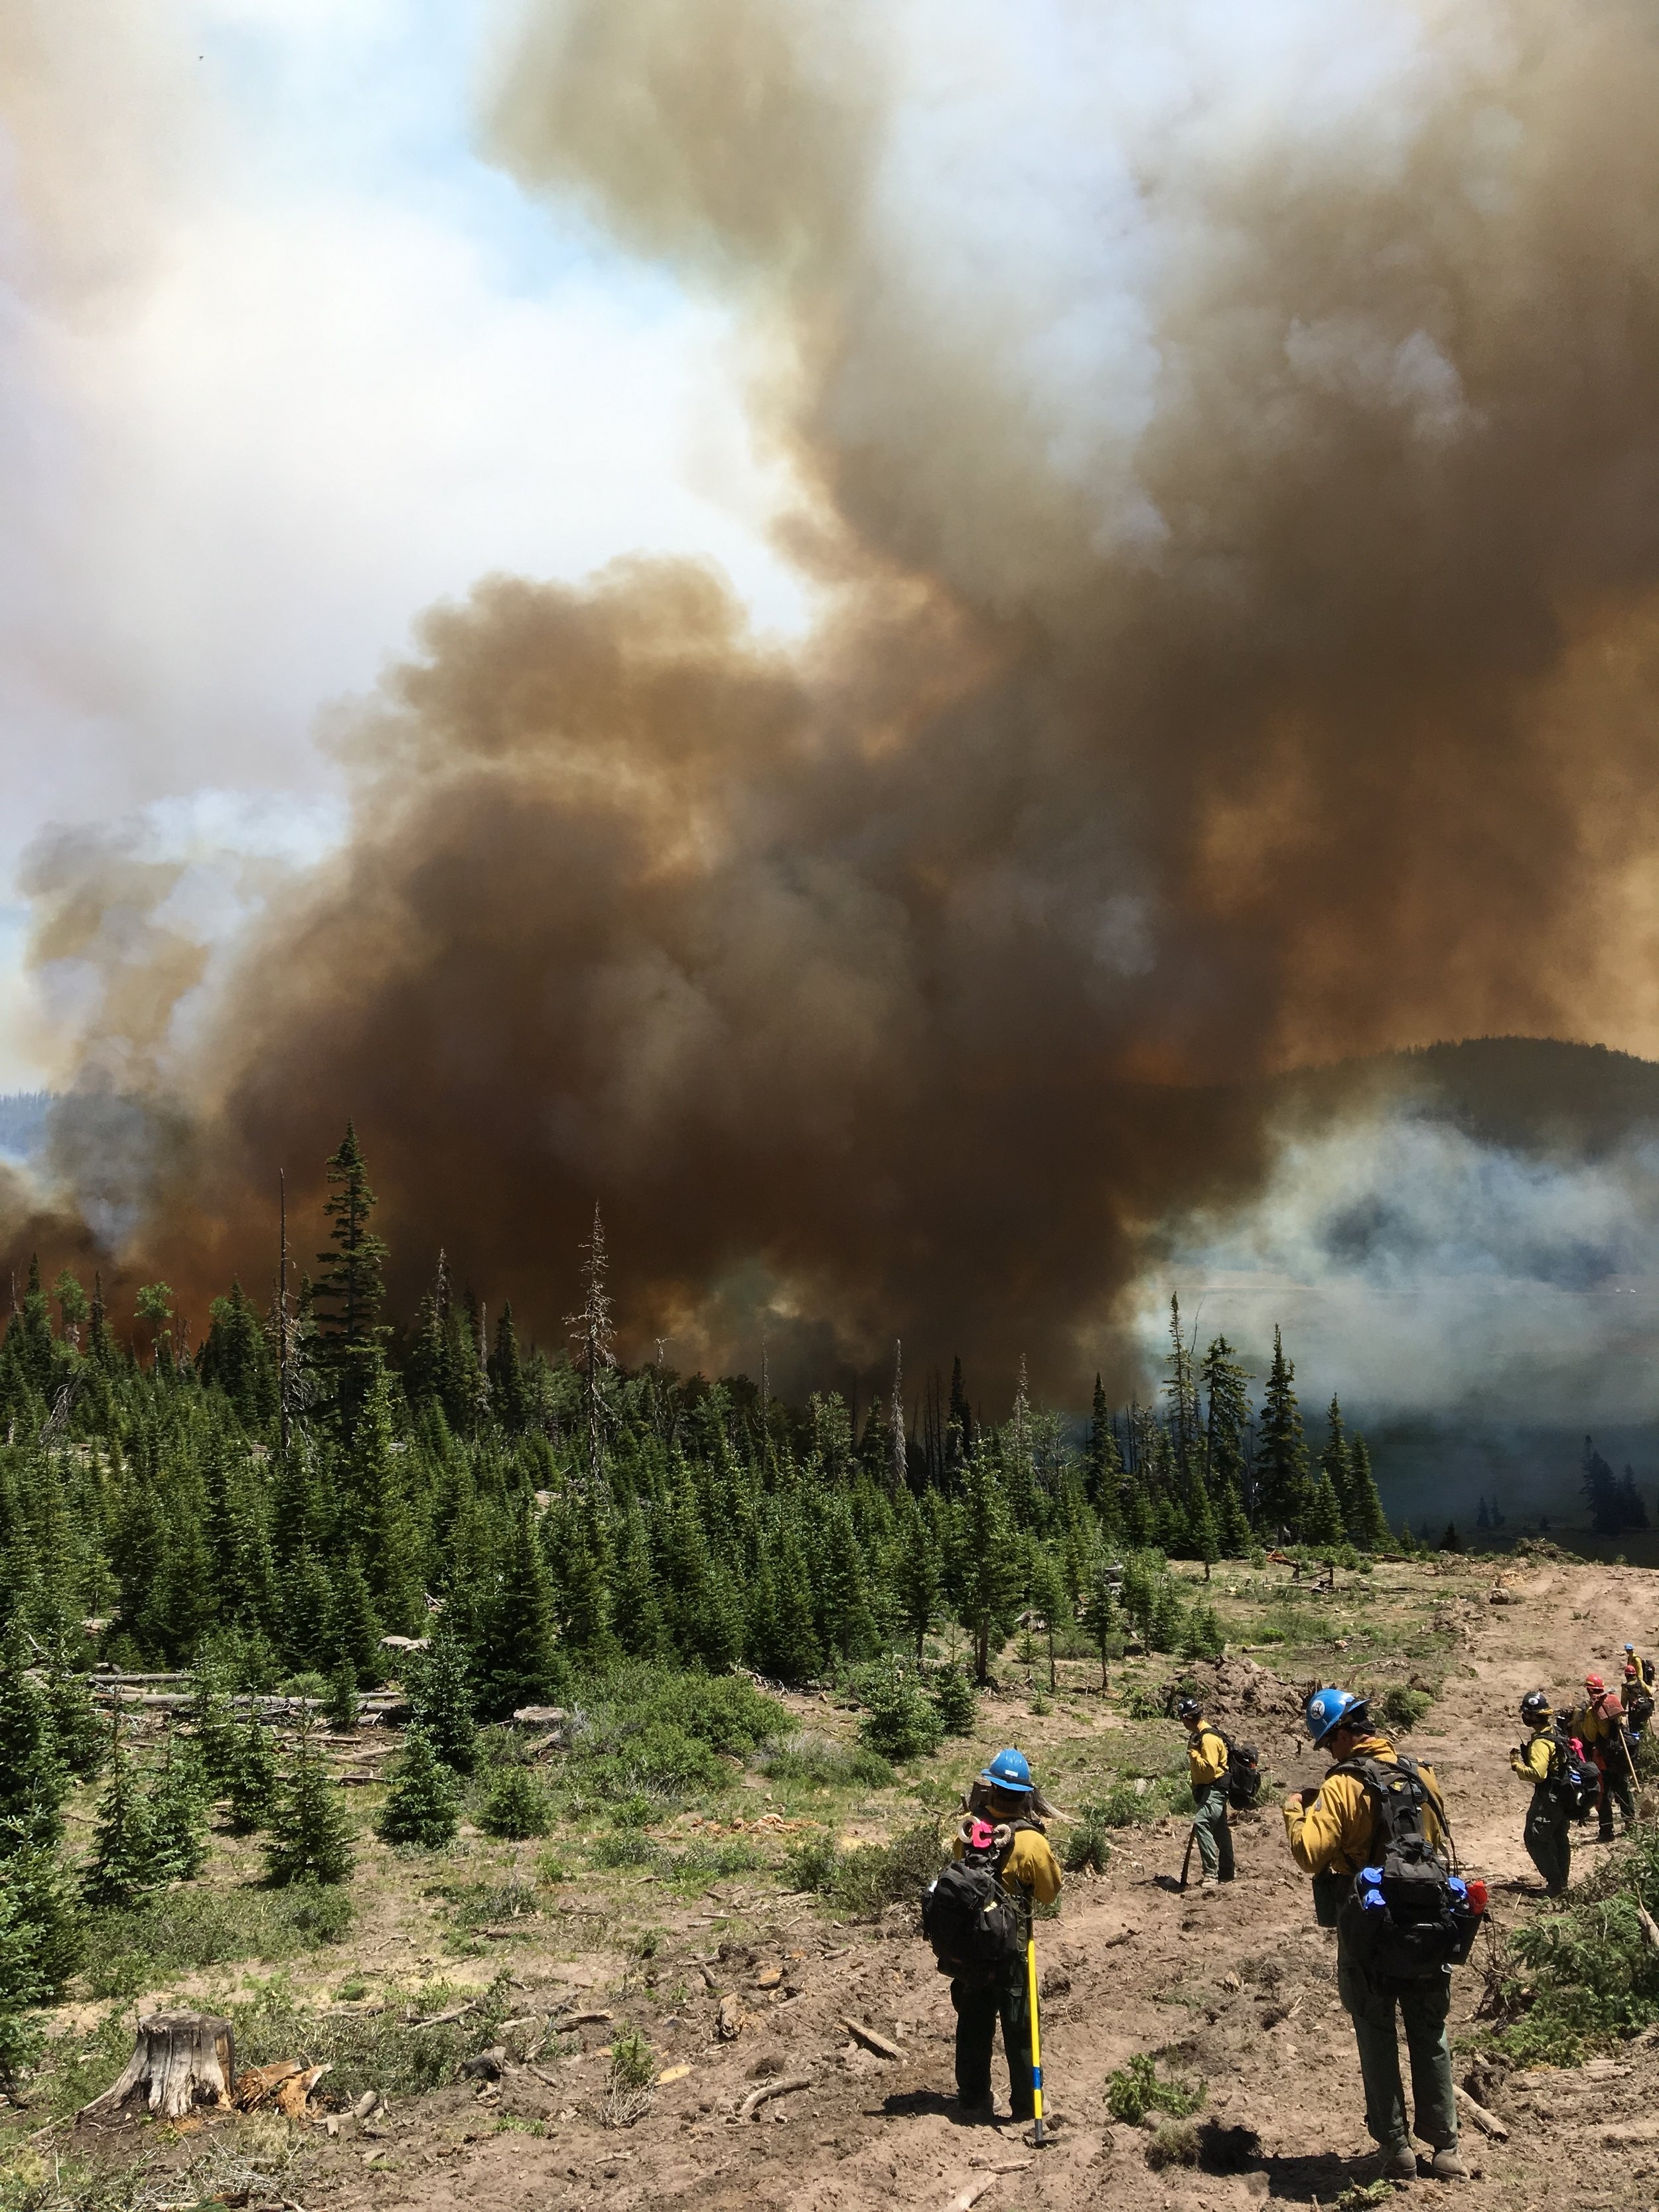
pixel 1009 1770
pixel 1328 1709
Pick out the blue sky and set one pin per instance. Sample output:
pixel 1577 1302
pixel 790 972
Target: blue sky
pixel 282 361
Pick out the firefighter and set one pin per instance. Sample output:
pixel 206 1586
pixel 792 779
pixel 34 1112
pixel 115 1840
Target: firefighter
pixel 1206 1770
pixel 1003 1799
pixel 1637 1693
pixel 1599 1725
pixel 1548 1832
pixel 1330 1831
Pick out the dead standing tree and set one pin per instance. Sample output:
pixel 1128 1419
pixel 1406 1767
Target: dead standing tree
pixel 592 1331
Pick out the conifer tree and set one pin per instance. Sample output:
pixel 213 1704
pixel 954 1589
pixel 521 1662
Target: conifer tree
pixel 985 1567
pixel 348 1292
pixel 1369 1527
pixel 515 1805
pixel 342 1709
pixel 1321 1519
pixel 351 1627
pixel 919 1575
pixel 442 1700
pixel 1097 1610
pixel 592 1335
pixel 1336 1460
pixel 31 1777
pixel 424 1805
pixel 100 1346
pixel 518 1660
pixel 177 1819
pixel 215 1737
pixel 959 1436
pixel 637 1609
pixel 310 1837
pixel 1281 1462
pixel 509 1393
pixel 1233 1527
pixel 254 1785
pixel 378 1521
pixel 845 1623
pixel 235 1358
pixel 794 1653
pixel 123 1866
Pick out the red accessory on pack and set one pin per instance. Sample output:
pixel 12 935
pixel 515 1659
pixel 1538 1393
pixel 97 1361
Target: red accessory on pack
pixel 1478 1896
pixel 980 1835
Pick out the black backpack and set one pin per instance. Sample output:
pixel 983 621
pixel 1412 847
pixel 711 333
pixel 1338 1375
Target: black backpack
pixel 1574 1781
pixel 1409 1917
pixel 976 1928
pixel 1244 1774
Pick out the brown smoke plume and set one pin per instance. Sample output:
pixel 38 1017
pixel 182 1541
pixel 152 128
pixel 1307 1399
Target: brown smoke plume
pixel 1232 461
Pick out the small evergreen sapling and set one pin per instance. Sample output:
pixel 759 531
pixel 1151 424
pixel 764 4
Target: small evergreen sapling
pixel 177 1819
pixel 424 1805
pixel 955 1701
pixel 515 1805
pixel 310 1835
pixel 122 1868
pixel 342 1709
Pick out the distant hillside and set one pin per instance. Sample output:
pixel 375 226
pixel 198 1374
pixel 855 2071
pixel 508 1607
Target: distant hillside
pixel 1530 1094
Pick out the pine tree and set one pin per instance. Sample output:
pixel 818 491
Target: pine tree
pixel 635 1609
pixel 518 1661
pixel 310 1837
pixel 442 1700
pixel 1321 1519
pixel 123 1866
pixel 254 1785
pixel 1181 1388
pixel 845 1622
pixel 959 1438
pixel 214 1726
pixel 31 1777
pixel 1368 1526
pixel 377 1516
pixel 919 1581
pixel 985 1569
pixel 349 1291
pixel 351 1627
pixel 1098 1612
pixel 509 1393
pixel 235 1358
pixel 795 1655
pixel 1336 1460
pixel 593 1334
pixel 1281 1464
pixel 424 1805
pixel 342 1709
pixel 177 1818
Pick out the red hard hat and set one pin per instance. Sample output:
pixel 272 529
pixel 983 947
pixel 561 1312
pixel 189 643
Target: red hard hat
pixel 1594 1682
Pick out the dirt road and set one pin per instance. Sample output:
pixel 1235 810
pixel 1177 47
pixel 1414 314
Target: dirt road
pixel 1235 1986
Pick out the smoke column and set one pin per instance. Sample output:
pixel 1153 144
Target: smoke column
pixel 1228 454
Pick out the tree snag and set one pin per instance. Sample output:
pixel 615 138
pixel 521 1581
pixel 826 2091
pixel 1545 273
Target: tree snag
pixel 180 2060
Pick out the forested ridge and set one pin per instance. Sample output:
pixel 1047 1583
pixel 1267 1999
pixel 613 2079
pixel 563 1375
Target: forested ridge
pixel 300 1483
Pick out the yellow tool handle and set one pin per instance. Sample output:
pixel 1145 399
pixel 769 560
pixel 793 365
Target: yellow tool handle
pixel 1037 2136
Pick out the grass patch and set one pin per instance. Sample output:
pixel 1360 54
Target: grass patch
pixel 369 2050
pixel 187 1927
pixel 821 1762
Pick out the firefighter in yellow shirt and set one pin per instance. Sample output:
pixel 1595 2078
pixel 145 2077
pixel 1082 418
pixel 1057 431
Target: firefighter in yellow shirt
pixel 1548 1833
pixel 1206 1770
pixel 1003 1798
pixel 1330 1831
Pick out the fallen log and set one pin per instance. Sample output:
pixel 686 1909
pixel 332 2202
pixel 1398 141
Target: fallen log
pixel 179 2060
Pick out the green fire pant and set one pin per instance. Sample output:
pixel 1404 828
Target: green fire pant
pixel 1548 1836
pixel 1215 1834
pixel 979 2006
pixel 1615 1788
pixel 1422 2006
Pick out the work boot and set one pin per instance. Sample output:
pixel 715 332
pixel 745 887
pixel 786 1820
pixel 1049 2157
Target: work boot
pixel 1206 1881
pixel 1447 2166
pixel 1400 2164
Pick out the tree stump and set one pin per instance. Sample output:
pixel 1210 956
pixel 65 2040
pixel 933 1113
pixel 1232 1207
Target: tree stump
pixel 180 2060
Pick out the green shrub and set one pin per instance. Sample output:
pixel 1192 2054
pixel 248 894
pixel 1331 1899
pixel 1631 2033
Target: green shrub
pixel 1087 1846
pixel 876 1876
pixel 1400 1707
pixel 622 1848
pixel 1136 2089
pixel 367 2050
pixel 308 1685
pixel 901 1721
pixel 1173 2143
pixel 515 1805
pixel 812 1864
pixel 342 1707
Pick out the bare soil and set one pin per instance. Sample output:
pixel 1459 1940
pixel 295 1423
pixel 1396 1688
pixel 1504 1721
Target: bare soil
pixel 1234 1986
